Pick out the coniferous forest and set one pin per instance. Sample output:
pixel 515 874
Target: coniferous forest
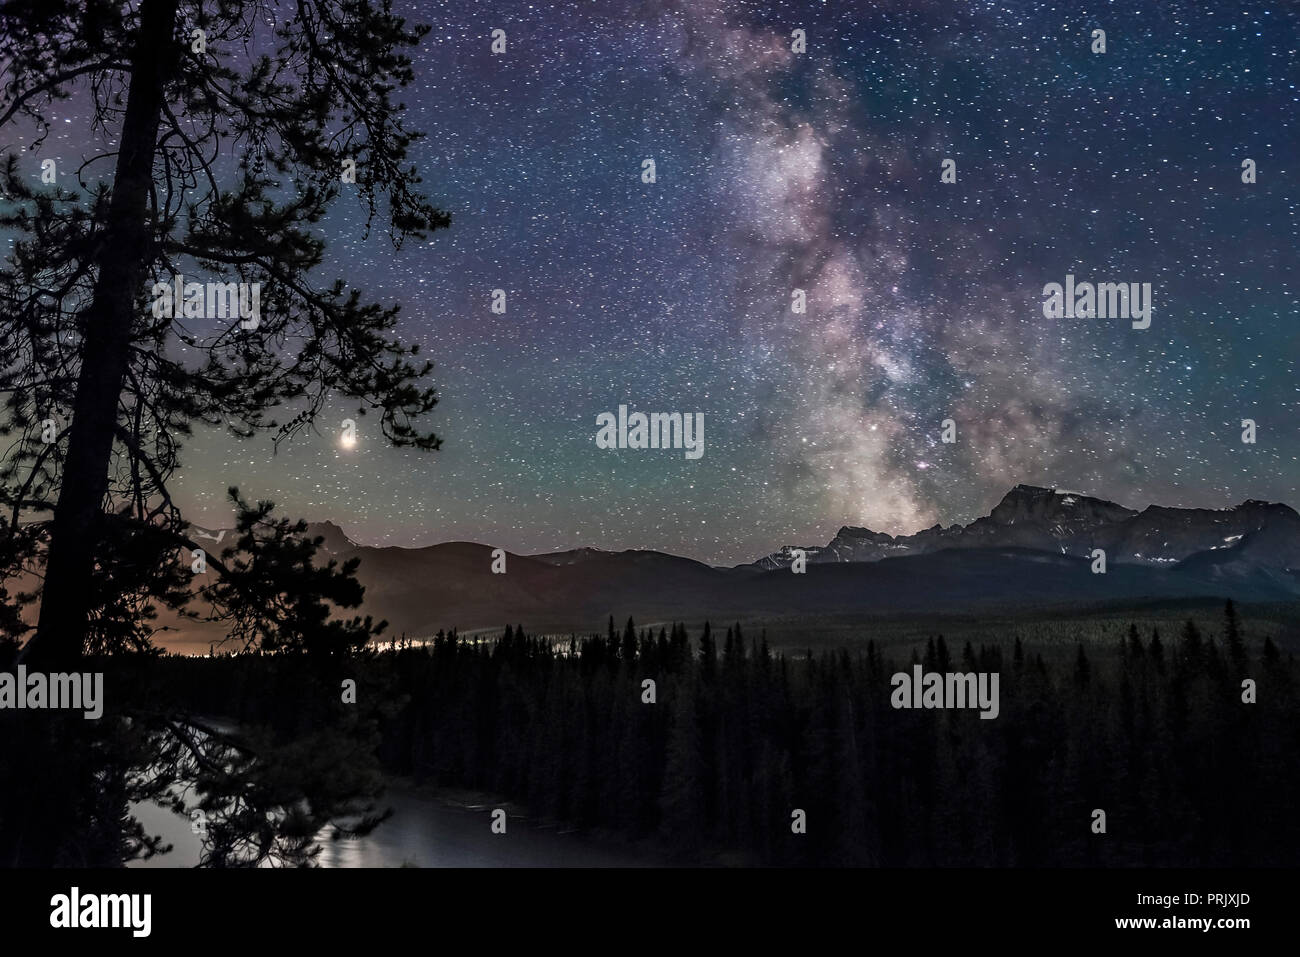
pixel 1154 732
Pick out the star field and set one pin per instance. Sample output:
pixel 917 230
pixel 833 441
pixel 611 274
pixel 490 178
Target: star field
pixel 819 171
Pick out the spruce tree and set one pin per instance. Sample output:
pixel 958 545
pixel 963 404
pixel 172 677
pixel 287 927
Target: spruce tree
pixel 1134 642
pixel 1082 670
pixel 1157 649
pixel 1232 634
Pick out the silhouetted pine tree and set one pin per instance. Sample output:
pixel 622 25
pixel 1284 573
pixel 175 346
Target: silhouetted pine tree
pixel 1157 650
pixel 1232 635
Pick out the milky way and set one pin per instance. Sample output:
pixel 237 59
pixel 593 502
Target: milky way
pixel 820 171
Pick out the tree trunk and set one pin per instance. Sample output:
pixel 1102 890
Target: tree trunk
pixel 121 258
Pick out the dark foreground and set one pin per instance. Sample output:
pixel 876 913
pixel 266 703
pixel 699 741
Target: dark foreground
pixel 1168 750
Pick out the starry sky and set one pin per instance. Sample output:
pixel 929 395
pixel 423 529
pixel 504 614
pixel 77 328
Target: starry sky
pixel 820 170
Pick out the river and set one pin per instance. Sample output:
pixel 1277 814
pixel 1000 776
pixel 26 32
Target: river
pixel 424 831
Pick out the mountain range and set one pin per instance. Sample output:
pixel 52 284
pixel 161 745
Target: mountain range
pixel 1034 549
pixel 1263 534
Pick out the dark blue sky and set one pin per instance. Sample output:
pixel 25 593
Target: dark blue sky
pixel 821 171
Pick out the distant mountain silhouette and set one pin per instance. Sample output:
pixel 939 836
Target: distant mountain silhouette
pixel 1070 523
pixel 1033 550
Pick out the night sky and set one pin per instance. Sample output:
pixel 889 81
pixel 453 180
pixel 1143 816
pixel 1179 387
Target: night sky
pixel 821 171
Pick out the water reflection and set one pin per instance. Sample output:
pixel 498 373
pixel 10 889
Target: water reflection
pixel 422 832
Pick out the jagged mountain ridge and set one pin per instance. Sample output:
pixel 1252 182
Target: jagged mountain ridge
pixel 1031 550
pixel 1264 534
pixel 1240 540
